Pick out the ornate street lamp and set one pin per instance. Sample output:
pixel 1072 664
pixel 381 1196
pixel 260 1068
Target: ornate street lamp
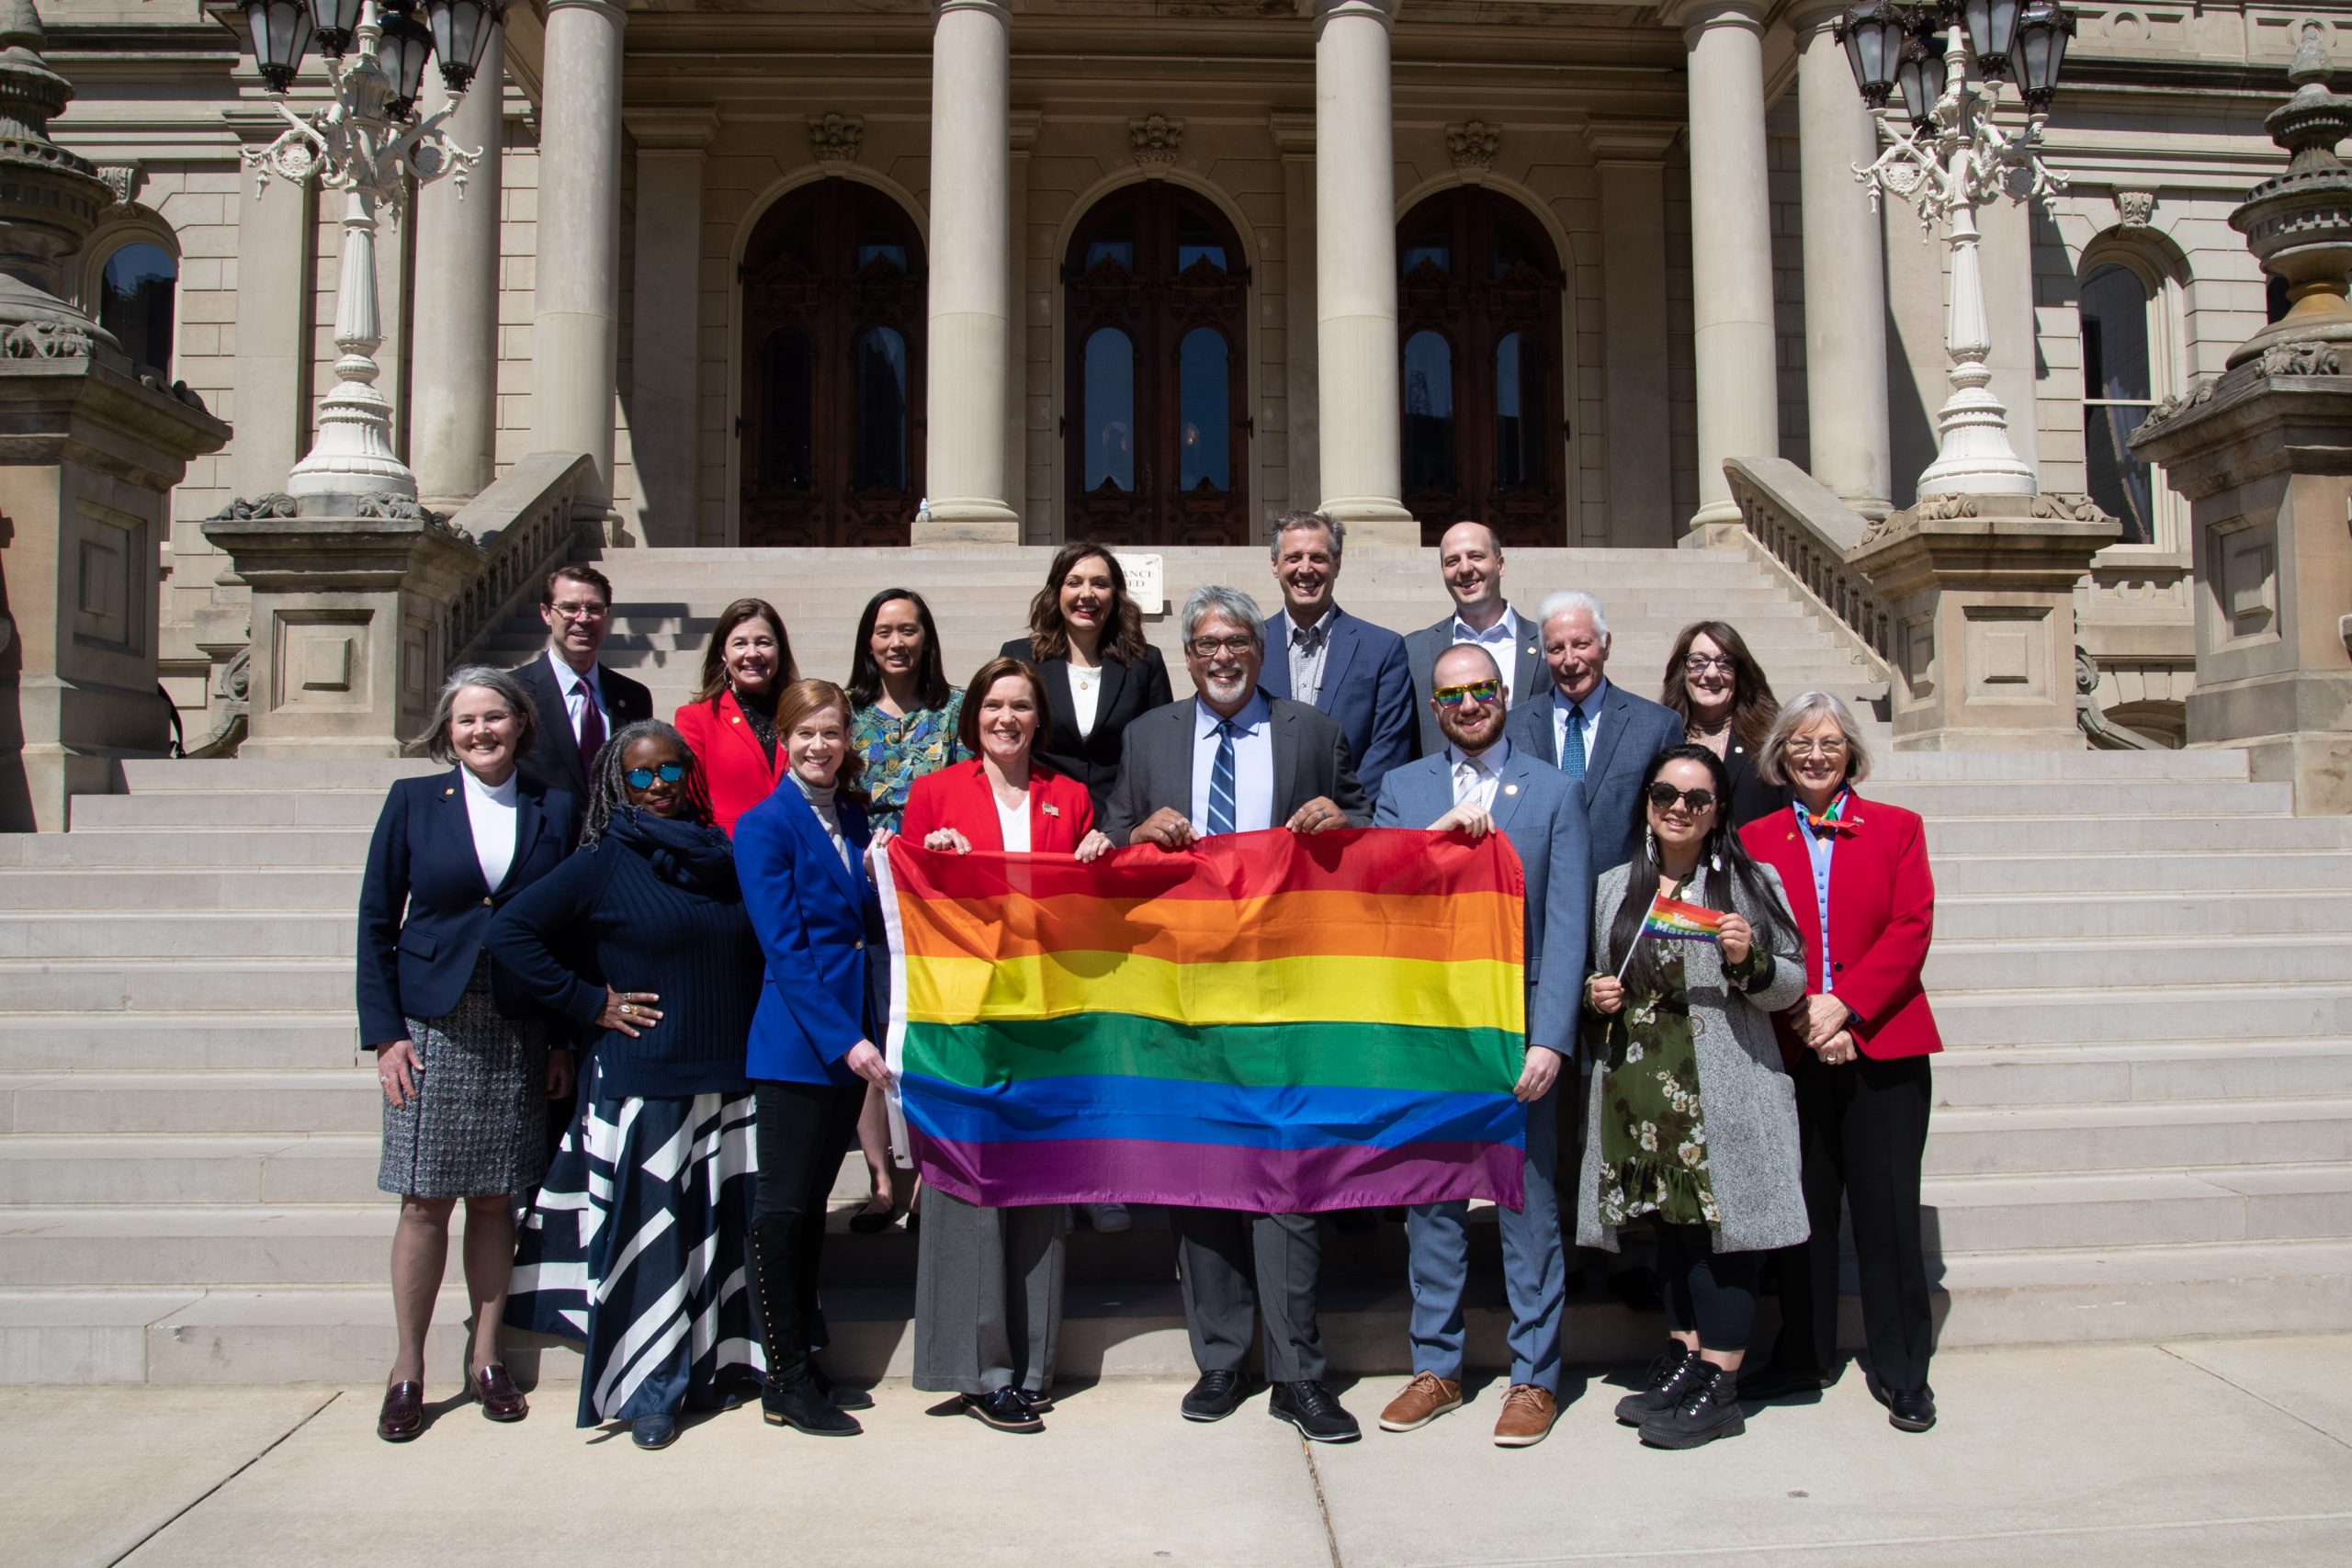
pixel 1872 34
pixel 1952 158
pixel 366 144
pixel 461 30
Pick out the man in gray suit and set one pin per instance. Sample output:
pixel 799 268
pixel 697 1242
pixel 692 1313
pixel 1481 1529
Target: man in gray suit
pixel 1471 559
pixel 1232 760
pixel 1482 784
pixel 1597 733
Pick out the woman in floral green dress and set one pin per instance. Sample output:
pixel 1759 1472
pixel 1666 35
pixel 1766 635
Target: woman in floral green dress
pixel 1692 1124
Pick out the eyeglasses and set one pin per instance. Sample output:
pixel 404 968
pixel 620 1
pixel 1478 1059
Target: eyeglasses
pixel 1809 749
pixel 668 772
pixel 1700 663
pixel 1479 692
pixel 1663 796
pixel 582 612
pixel 1210 647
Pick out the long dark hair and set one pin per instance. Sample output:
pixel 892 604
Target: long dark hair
pixel 932 690
pixel 608 791
pixel 1122 629
pixel 1753 706
pixel 714 653
pixel 1723 850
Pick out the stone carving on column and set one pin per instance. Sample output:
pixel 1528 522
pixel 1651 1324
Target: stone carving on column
pixel 1156 140
pixel 122 179
pixel 2134 208
pixel 837 140
pixel 1472 146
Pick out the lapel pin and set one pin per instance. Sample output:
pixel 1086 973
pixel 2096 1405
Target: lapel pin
pixel 1510 789
pixel 448 792
pixel 1053 811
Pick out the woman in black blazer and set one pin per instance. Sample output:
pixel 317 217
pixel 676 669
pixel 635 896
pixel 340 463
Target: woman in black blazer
pixel 1086 638
pixel 1726 706
pixel 468 1061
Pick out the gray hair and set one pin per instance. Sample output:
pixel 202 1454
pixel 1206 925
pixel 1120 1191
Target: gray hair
pixel 1569 599
pixel 1211 599
pixel 1801 710
pixel 1290 522
pixel 608 784
pixel 436 740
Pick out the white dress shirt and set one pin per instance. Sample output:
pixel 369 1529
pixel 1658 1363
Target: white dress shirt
pixel 491 813
pixel 1013 822
pixel 1476 778
pixel 1501 639
pixel 579 691
pixel 1253 765
pixel 1591 705
pixel 1085 696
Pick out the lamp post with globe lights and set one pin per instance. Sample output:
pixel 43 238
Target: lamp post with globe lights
pixel 1950 159
pixel 368 143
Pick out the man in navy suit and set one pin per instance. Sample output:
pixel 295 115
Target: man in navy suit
pixel 1470 558
pixel 1482 784
pixel 1597 733
pixel 1318 654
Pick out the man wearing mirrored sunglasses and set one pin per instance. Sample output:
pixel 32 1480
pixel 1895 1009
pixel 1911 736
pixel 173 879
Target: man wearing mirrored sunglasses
pixel 1481 784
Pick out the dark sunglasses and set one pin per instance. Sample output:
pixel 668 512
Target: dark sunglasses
pixel 1663 796
pixel 1480 692
pixel 668 772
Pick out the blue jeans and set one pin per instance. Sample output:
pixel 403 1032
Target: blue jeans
pixel 1534 1268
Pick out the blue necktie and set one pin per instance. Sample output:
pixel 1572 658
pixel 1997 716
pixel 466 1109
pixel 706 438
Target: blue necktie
pixel 1221 818
pixel 1572 754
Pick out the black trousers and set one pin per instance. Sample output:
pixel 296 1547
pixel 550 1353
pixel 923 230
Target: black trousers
pixel 1235 1268
pixel 1864 1127
pixel 802 1131
pixel 1707 1292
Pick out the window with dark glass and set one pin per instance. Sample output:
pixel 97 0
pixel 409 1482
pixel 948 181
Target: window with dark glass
pixel 830 433
pixel 135 296
pixel 2118 392
pixel 1155 396
pixel 1428 413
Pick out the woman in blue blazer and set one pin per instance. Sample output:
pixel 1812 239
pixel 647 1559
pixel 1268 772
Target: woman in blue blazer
pixel 467 1059
pixel 801 857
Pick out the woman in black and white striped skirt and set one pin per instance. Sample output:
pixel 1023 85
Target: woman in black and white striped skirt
pixel 636 1242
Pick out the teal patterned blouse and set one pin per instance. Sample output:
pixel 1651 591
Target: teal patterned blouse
pixel 900 751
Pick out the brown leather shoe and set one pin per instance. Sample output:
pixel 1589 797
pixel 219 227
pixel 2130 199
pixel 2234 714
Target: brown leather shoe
pixel 402 1416
pixel 500 1400
pixel 1526 1417
pixel 1420 1402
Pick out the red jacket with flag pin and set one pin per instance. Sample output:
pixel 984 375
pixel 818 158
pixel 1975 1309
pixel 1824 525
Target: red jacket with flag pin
pixel 1881 916
pixel 957 796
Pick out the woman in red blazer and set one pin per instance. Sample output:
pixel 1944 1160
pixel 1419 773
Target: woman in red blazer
pixel 730 719
pixel 1858 1049
pixel 988 1281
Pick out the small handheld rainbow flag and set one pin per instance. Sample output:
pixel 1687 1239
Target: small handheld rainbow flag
pixel 1678 921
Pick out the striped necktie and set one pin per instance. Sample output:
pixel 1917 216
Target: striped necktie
pixel 1572 749
pixel 1221 813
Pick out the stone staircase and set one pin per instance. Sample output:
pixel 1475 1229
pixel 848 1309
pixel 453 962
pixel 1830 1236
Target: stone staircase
pixel 2144 967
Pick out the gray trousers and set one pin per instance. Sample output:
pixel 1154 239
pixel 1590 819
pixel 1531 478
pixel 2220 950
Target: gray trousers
pixel 1236 1266
pixel 988 1295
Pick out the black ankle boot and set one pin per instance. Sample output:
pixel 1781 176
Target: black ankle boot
pixel 1670 1378
pixel 800 1403
pixel 1710 1410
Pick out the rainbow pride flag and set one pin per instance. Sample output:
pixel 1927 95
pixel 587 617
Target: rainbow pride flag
pixel 1675 920
pixel 1265 1022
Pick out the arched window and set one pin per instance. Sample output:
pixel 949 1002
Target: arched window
pixel 1156 423
pixel 1485 399
pixel 135 298
pixel 2119 389
pixel 832 429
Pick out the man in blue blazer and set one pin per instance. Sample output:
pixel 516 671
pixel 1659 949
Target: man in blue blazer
pixel 1318 654
pixel 1595 732
pixel 1482 784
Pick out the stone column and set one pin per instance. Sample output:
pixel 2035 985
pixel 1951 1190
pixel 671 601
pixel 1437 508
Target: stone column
pixel 269 381
pixel 1845 274
pixel 665 327
pixel 576 322
pixel 1630 157
pixel 453 412
pixel 1021 129
pixel 971 276
pixel 1355 273
pixel 1295 139
pixel 1731 245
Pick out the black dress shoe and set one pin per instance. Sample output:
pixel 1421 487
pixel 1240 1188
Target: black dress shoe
pixel 802 1406
pixel 1911 1409
pixel 1315 1411
pixel 1040 1403
pixel 653 1431
pixel 402 1416
pixel 1776 1381
pixel 1215 1396
pixel 1004 1409
pixel 842 1395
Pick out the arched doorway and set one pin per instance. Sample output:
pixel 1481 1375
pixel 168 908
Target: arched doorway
pixel 1156 424
pixel 1484 395
pixel 831 435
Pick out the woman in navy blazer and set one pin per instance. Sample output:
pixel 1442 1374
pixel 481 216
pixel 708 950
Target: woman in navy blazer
pixel 465 1056
pixel 801 856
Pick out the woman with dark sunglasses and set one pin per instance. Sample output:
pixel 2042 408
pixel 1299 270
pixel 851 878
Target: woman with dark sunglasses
pixel 1692 1124
pixel 636 1241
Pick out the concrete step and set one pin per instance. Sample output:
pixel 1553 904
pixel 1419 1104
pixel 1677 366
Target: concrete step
pixel 2136 964
pixel 40 1172
pixel 164 985
pixel 2010 1213
pixel 2195 874
pixel 2235 1070
pixel 2180 1135
pixel 131 849
pixel 1938 799
pixel 51 1042
pixel 239 774
pixel 341 1099
pixel 2216 1012
pixel 2138 915
pixel 2147 834
pixel 1920 767
pixel 212 933
pixel 231 810
pixel 164 890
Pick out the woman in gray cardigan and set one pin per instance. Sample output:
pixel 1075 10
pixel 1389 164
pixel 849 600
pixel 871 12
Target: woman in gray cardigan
pixel 1691 1124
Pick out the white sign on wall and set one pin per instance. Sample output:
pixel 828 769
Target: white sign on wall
pixel 1146 582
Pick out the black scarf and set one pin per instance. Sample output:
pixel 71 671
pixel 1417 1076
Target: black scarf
pixel 687 854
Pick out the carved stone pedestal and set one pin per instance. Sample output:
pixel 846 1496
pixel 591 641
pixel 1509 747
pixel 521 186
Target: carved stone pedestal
pixel 1981 591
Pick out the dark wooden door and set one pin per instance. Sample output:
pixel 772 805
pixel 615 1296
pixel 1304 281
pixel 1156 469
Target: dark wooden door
pixel 830 438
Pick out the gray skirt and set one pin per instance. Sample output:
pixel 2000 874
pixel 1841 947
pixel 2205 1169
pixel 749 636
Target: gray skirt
pixel 477 1124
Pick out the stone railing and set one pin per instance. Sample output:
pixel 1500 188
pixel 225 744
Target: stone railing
pixel 525 525
pixel 1799 531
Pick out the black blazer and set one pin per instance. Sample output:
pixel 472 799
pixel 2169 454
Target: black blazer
pixel 1751 797
pixel 1310 760
pixel 423 907
pixel 1127 695
pixel 553 761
